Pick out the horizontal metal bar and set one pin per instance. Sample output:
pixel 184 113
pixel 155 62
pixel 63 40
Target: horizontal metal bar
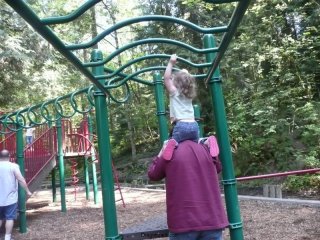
pixel 227 37
pixel 27 14
pixel 130 21
pixel 297 172
pixel 72 16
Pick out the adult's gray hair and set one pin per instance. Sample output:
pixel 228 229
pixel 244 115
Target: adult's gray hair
pixel 4 154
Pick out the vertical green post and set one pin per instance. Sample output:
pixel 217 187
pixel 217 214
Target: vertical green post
pixel 61 166
pixel 53 184
pixel 229 181
pixel 53 172
pixel 85 129
pixel 161 110
pixel 93 165
pixel 86 177
pixel 107 182
pixel 197 115
pixel 21 192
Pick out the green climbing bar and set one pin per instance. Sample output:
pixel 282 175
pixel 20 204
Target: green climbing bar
pixel 229 181
pixel 107 182
pixel 161 110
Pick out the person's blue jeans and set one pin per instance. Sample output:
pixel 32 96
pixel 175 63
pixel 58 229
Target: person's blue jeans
pixel 29 139
pixel 185 131
pixel 197 235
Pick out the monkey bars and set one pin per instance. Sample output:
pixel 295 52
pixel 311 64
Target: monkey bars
pixel 105 79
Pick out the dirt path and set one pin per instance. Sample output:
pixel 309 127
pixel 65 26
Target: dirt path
pixel 84 220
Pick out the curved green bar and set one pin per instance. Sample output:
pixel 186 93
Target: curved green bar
pixel 153 56
pixel 155 40
pixel 109 70
pixel 59 109
pixel 72 16
pixel 145 19
pixel 134 79
pixel 149 69
pixel 44 112
pixel 31 120
pixel 10 116
pixel 125 99
pixel 75 106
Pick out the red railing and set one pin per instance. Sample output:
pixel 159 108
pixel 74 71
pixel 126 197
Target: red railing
pixel 73 141
pixel 281 174
pixel 9 143
pixel 39 153
pixel 39 130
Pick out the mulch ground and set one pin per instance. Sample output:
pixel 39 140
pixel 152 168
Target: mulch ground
pixel 84 220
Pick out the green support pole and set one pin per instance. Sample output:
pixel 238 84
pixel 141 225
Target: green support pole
pixel 53 172
pixel 86 177
pixel 107 182
pixel 53 184
pixel 229 181
pixel 93 165
pixel 197 115
pixel 21 192
pixel 61 166
pixel 161 110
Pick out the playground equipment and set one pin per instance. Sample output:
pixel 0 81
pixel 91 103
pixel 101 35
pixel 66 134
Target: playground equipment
pixel 105 79
pixel 40 156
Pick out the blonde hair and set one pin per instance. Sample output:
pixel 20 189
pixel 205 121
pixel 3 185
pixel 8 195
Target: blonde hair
pixel 185 83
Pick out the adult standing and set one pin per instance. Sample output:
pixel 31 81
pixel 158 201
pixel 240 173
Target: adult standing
pixel 194 206
pixel 10 175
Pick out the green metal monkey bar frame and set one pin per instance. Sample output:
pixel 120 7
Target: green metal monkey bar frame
pixel 105 79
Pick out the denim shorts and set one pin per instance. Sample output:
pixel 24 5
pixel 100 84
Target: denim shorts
pixel 197 235
pixel 9 212
pixel 29 139
pixel 185 131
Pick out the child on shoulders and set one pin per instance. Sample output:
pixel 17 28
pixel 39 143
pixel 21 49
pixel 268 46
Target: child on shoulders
pixel 182 89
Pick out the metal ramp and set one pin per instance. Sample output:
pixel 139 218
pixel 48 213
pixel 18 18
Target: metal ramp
pixel 151 228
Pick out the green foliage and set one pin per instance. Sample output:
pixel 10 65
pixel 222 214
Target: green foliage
pixel 303 183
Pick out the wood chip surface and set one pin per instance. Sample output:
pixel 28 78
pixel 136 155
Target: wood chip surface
pixel 84 220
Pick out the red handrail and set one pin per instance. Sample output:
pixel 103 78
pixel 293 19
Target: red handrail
pixel 39 153
pixel 297 172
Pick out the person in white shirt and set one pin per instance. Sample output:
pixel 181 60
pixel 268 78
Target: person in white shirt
pixel 29 135
pixel 10 175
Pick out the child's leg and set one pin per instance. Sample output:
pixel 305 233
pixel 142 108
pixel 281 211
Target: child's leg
pixel 212 143
pixel 169 148
pixel 177 132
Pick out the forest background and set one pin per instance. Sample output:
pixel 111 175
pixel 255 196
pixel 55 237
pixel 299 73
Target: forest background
pixel 270 74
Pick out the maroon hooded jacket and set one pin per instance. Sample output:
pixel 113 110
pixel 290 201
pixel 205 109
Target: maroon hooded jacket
pixel 192 189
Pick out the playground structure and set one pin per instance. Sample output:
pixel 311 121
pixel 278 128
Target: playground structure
pixel 105 79
pixel 40 156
